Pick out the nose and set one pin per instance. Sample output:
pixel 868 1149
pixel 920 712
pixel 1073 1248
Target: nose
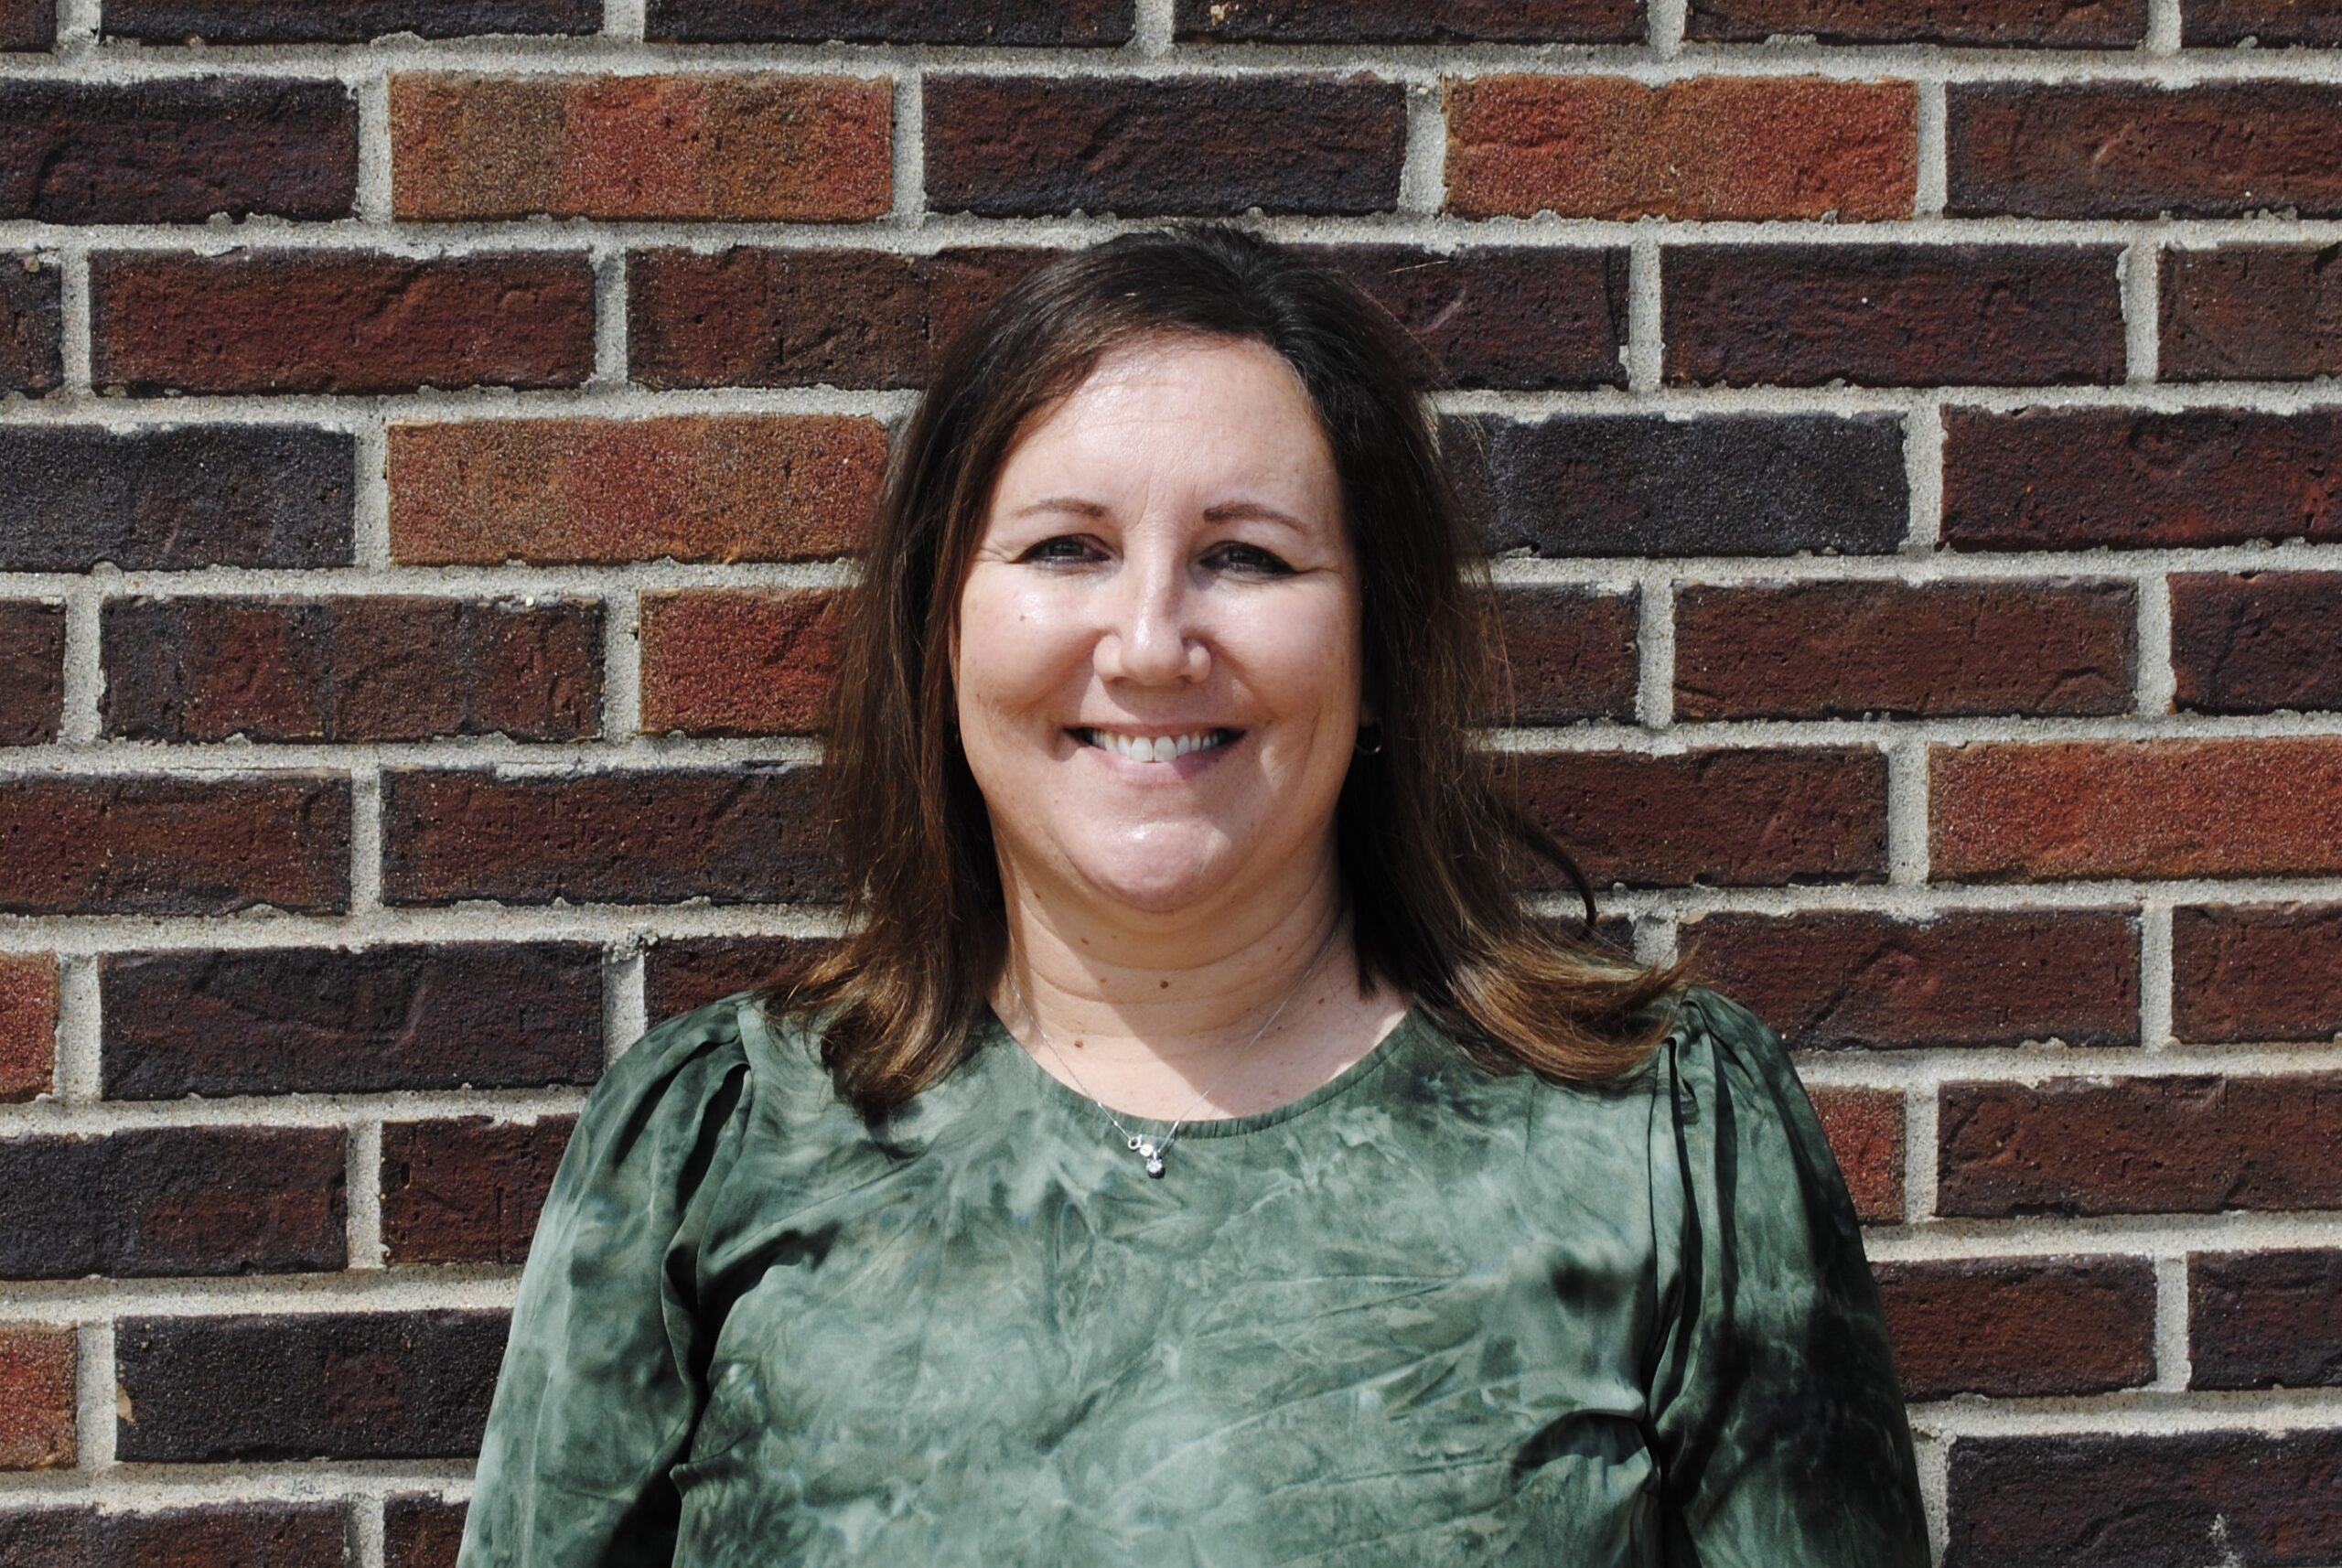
pixel 1152 635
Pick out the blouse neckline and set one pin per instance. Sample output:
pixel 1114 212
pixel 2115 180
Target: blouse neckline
pixel 1409 1027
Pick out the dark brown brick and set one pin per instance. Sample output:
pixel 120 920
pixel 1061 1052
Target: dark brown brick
pixel 1722 485
pixel 172 1200
pixel 641 836
pixel 2252 313
pixel 750 317
pixel 2244 972
pixel 1572 653
pixel 2147 1501
pixel 421 1531
pixel 341 1385
pixel 32 671
pixel 1856 980
pixel 330 1021
pixel 176 149
pixel 37 1372
pixel 1008 146
pixel 27 24
pixel 2166 1144
pixel 2316 22
pixel 176 497
pixel 685 973
pixel 2264 1320
pixel 1408 21
pixel 2020 1326
pixel 1052 23
pixel 2052 24
pixel 340 21
pixel 2136 150
pixel 739 661
pixel 32 325
pixel 351 669
pixel 1864 1127
pixel 351 322
pixel 2247 806
pixel 2078 479
pixel 1850 649
pixel 2253 642
pixel 153 846
pixel 29 998
pixel 467 1190
pixel 1466 310
pixel 1682 821
pixel 218 1535
pixel 1892 315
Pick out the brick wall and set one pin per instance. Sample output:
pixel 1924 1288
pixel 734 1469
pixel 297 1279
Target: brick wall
pixel 437 432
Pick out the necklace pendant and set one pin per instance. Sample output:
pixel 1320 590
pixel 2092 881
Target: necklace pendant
pixel 1153 1165
pixel 1139 1145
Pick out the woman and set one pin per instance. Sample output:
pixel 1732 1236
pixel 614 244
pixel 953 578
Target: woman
pixel 1197 1153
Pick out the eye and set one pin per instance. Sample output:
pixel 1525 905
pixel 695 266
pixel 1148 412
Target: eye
pixel 1062 547
pixel 1252 558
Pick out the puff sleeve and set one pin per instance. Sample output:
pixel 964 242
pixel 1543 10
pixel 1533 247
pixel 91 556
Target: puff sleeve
pixel 1776 1418
pixel 603 1376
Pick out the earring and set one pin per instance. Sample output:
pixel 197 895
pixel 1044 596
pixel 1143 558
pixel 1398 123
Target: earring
pixel 1374 750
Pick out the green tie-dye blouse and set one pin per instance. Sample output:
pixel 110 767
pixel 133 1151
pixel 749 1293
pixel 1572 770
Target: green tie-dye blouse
pixel 1422 1315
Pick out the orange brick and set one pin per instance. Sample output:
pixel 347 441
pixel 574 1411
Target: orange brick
pixel 751 663
pixel 694 487
pixel 27 1024
pixel 36 1366
pixel 1864 1127
pixel 735 145
pixel 2011 812
pixel 1731 147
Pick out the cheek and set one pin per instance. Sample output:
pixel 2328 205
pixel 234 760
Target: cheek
pixel 1008 657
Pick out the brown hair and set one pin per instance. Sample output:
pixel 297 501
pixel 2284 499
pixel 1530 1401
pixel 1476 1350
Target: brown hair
pixel 1427 822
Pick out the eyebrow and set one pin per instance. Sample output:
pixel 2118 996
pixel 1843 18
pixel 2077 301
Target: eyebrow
pixel 1225 512
pixel 1062 504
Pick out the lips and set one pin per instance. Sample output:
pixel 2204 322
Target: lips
pixel 1154 748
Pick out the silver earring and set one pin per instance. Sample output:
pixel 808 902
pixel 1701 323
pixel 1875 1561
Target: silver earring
pixel 1374 750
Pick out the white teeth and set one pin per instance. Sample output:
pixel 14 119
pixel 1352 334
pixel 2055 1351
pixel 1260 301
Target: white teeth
pixel 1153 748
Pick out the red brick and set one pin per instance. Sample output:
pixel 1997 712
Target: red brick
pixel 341 1385
pixel 172 1200
pixel 1009 146
pixel 740 486
pixel 2144 1501
pixel 2253 642
pixel 351 322
pixel 154 845
pixel 32 671
pixel 2265 1320
pixel 328 1021
pixel 421 1531
pixel 1864 1127
pixel 221 1535
pixel 2077 479
pixel 1408 21
pixel 2317 22
pixel 2052 24
pixel 2244 972
pixel 739 661
pixel 2020 1326
pixel 2252 313
pixel 351 669
pixel 2171 1144
pixel 32 325
pixel 29 998
pixel 2136 150
pixel 1075 23
pixel 685 973
pixel 1718 147
pixel 176 149
pixel 1465 310
pixel 338 21
pixel 37 1371
pixel 1894 314
pixel 27 24
pixel 1857 980
pixel 2243 807
pixel 466 1190
pixel 737 146
pixel 1850 649
pixel 642 836
pixel 1572 654
pixel 1683 820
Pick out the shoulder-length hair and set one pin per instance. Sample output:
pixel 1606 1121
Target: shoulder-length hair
pixel 1433 851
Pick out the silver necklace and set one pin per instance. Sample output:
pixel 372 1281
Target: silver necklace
pixel 1139 1144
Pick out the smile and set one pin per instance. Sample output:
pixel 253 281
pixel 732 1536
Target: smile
pixel 1154 748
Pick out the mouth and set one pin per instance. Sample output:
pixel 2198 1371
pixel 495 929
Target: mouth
pixel 1155 747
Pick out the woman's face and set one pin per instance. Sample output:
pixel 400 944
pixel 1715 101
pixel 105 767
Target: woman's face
pixel 1158 662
